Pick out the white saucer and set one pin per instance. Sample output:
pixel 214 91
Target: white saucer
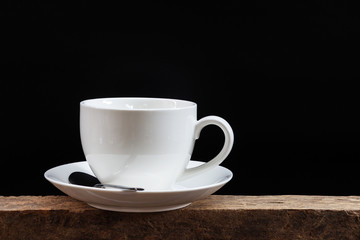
pixel 181 195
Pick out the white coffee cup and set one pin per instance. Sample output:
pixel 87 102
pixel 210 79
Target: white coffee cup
pixel 145 142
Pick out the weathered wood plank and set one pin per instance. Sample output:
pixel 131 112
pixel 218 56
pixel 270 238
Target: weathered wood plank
pixel 216 217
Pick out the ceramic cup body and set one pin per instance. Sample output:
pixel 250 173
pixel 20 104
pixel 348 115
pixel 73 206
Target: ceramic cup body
pixel 139 142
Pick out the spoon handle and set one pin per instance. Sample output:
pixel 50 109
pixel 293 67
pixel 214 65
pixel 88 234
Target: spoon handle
pixel 133 189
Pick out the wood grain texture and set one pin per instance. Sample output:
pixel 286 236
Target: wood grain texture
pixel 216 217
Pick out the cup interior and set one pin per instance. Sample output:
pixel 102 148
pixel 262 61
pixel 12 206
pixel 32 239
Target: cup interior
pixel 137 103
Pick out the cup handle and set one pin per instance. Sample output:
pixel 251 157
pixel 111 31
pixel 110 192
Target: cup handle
pixel 229 140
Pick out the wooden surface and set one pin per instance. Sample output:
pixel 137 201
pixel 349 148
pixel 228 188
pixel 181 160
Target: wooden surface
pixel 216 217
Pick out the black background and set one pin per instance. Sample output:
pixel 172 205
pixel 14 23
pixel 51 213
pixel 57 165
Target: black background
pixel 283 75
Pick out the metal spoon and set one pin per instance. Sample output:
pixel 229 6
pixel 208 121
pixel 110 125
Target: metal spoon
pixel 84 179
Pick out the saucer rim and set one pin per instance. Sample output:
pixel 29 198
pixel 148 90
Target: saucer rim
pixel 225 180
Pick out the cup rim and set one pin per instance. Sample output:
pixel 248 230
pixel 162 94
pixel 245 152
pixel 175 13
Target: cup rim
pixel 178 104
